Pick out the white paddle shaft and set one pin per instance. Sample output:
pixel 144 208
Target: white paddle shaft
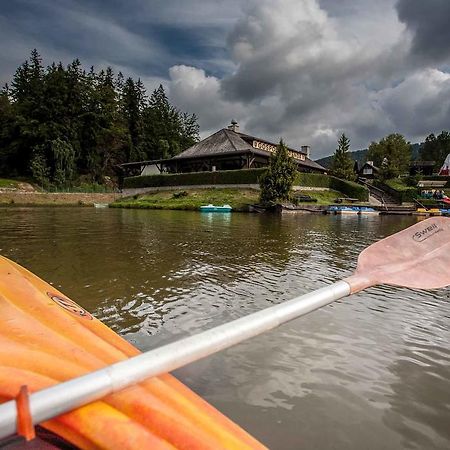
pixel 63 397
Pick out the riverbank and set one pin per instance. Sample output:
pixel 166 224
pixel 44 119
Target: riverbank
pixel 192 199
pixel 23 198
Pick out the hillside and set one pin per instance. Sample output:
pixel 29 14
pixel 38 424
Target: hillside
pixel 360 156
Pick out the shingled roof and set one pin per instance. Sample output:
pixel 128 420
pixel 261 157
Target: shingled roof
pixel 221 142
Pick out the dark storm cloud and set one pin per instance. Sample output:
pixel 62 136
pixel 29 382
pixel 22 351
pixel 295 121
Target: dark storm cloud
pixel 304 70
pixel 429 23
pixel 143 37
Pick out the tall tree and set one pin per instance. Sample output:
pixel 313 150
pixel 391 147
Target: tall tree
pixel 276 183
pixel 131 100
pixel 342 163
pixel 60 123
pixel 8 135
pixel 27 90
pixel 392 154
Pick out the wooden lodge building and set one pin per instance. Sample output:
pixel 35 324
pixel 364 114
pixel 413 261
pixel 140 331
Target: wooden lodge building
pixel 227 149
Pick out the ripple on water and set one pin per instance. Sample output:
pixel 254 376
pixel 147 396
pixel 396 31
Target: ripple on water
pixel 368 371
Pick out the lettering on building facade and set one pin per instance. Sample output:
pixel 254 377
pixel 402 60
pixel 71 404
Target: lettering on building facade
pixel 272 148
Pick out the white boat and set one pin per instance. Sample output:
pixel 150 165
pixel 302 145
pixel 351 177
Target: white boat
pixel 347 210
pixel 367 211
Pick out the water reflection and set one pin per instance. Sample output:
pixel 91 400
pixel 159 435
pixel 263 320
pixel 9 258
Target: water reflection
pixel 371 371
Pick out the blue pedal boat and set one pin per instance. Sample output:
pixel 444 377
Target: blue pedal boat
pixel 214 208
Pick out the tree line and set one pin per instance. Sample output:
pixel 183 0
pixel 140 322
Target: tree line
pixel 59 124
pixel 392 155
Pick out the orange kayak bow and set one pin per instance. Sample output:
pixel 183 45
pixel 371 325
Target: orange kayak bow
pixel 46 338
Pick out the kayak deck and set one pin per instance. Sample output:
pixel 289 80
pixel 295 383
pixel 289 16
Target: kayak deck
pixel 46 338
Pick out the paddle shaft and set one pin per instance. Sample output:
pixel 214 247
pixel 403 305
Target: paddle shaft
pixel 63 397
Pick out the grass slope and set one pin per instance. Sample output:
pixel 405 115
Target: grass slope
pixel 5 183
pixel 239 199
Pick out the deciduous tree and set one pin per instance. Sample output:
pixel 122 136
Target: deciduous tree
pixel 392 155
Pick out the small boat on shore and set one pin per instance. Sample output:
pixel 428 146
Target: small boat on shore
pixel 214 208
pixel 428 212
pixel 101 205
pixel 335 209
pixel 367 211
pixel 348 210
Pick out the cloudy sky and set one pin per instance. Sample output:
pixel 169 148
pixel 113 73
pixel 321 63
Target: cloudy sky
pixel 304 70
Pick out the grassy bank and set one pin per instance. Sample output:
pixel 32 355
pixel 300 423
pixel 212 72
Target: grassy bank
pixel 9 184
pixel 53 199
pixel 192 199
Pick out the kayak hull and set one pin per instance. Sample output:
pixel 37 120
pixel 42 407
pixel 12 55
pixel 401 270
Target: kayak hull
pixel 46 338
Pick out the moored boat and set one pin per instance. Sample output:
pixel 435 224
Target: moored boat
pixel 347 210
pixel 421 212
pixel 366 210
pixel 214 208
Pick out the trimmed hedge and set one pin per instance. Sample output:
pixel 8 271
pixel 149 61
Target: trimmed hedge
pixel 245 176
pixel 350 189
pixel 312 180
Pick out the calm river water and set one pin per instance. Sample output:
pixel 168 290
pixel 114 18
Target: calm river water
pixel 371 371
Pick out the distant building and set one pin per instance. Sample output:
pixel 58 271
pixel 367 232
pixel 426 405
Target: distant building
pixel 368 170
pixel 421 167
pixel 445 169
pixel 227 149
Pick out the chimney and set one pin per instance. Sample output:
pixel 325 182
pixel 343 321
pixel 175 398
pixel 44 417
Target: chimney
pixel 234 126
pixel 306 149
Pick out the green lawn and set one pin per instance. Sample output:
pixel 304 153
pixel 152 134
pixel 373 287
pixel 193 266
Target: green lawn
pixel 239 199
pixel 5 183
pixel 323 197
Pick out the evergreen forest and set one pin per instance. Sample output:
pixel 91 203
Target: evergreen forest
pixel 60 125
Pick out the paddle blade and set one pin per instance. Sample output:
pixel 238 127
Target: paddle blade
pixel 417 257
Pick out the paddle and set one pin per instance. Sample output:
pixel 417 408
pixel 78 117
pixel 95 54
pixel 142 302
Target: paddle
pixel 417 257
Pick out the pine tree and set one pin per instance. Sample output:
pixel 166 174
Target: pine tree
pixel 27 90
pixel 342 163
pixel 60 123
pixel 8 151
pixel 131 110
pixel 276 183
